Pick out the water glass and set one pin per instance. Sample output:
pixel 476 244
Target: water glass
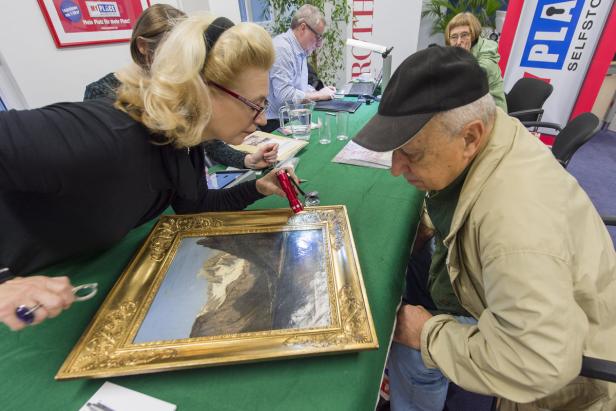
pixel 299 119
pixel 327 129
pixel 342 120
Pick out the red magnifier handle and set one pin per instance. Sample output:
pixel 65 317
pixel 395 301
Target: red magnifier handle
pixel 286 186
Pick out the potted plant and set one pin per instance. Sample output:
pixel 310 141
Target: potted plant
pixel 442 11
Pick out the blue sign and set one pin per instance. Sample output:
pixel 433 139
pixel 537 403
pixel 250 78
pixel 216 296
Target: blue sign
pixel 107 8
pixel 550 34
pixel 70 11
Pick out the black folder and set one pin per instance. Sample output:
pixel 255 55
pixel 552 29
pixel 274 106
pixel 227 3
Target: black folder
pixel 338 105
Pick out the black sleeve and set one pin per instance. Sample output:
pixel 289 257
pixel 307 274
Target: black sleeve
pixel 224 154
pixel 42 149
pixel 29 151
pixel 229 199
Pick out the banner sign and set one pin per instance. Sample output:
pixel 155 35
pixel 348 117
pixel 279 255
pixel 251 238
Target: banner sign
pixel 373 21
pixel 80 22
pixel 555 41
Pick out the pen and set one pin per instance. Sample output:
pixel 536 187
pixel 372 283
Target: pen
pixel 99 406
pixel 296 185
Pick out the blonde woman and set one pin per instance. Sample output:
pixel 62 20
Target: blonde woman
pixel 77 177
pixel 149 31
pixel 464 30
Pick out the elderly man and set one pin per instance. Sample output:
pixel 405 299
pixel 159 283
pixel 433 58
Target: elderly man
pixel 523 274
pixel 289 74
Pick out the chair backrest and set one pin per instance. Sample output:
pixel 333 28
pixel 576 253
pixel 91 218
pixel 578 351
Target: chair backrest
pixel 575 134
pixel 526 94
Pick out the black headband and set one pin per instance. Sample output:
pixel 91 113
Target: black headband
pixel 214 30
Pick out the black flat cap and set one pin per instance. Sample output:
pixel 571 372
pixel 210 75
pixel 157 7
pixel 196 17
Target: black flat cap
pixel 430 81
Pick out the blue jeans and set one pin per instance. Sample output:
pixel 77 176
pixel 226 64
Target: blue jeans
pixel 412 386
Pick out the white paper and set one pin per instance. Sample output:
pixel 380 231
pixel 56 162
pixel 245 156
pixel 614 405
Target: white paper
pixel 355 154
pixel 119 398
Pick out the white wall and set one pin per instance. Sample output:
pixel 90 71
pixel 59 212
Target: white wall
pixel 43 73
pixel 425 32
pixel 226 8
pixel 394 23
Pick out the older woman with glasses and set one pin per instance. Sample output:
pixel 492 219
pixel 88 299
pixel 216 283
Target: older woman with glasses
pixel 75 178
pixel 464 30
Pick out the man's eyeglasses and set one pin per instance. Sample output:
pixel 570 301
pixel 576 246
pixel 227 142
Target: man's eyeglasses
pixel 257 108
pixel 463 36
pixel 317 35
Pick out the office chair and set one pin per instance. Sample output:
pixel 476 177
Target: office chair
pixel 576 133
pixel 526 97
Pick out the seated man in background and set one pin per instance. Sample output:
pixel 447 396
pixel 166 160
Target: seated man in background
pixel 523 275
pixel 289 75
pixel 464 30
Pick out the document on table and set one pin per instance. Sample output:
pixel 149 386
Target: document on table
pixel 355 154
pixel 287 147
pixel 112 397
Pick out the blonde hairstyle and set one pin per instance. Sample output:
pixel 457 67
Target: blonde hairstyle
pixel 172 99
pixel 464 19
pixel 152 25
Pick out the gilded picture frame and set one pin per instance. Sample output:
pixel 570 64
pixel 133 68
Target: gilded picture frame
pixel 222 288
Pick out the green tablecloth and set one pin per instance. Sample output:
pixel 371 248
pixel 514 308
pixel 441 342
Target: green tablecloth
pixel 383 212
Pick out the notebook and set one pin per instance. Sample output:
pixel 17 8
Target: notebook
pixel 338 105
pixel 287 147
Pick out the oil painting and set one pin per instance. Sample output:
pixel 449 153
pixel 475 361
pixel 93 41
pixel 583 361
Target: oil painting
pixel 222 288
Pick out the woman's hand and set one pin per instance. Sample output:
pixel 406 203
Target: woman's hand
pixel 265 156
pixel 268 184
pixel 53 293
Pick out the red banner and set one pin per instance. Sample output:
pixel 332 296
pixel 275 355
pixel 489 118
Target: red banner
pixel 79 22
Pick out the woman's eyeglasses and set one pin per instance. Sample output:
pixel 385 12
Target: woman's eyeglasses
pixel 257 108
pixel 463 36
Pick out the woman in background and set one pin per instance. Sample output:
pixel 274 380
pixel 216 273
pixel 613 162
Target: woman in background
pixel 464 31
pixel 151 27
pixel 77 177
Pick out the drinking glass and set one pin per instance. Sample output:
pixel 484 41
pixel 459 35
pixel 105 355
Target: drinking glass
pixel 327 129
pixel 296 117
pixel 342 120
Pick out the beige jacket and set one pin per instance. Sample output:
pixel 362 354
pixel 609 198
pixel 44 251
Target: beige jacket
pixel 530 258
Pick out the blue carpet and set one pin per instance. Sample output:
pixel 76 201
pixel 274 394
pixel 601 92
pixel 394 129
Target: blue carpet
pixel 594 166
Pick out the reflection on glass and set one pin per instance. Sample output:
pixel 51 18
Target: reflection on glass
pixel 231 284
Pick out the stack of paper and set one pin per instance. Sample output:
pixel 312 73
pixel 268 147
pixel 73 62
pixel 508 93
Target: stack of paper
pixel 287 147
pixel 116 398
pixel 355 154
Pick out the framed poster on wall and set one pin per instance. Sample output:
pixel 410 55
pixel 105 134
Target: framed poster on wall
pixel 82 22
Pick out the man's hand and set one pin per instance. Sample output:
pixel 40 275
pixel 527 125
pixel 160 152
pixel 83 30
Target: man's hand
pixel 326 93
pixel 53 293
pixel 411 319
pixel 269 184
pixel 265 156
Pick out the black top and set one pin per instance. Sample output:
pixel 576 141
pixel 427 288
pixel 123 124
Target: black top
pixel 217 150
pixel 103 87
pixel 77 177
